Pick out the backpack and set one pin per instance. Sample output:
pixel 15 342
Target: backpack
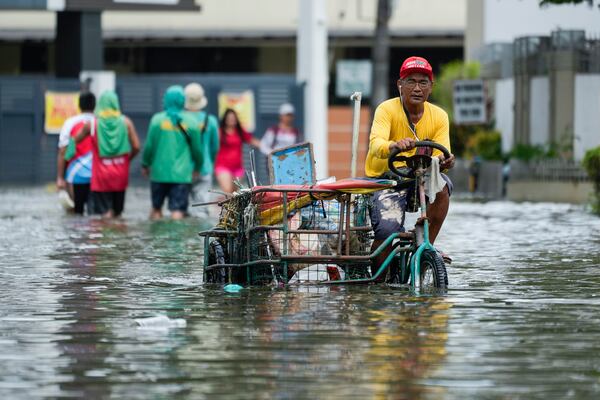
pixel 205 124
pixel 275 129
pixel 187 136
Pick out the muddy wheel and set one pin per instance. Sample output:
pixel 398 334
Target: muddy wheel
pixel 433 271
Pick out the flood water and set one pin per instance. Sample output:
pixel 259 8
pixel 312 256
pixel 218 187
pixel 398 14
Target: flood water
pixel 117 310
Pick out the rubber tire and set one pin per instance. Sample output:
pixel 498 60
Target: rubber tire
pixel 216 255
pixel 404 275
pixel 432 261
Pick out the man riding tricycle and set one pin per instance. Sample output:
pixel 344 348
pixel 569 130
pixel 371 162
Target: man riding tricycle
pixel 352 230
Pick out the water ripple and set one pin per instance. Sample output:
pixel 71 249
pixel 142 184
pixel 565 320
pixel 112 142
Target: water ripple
pixel 520 320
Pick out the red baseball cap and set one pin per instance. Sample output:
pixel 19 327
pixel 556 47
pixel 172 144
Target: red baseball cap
pixel 416 64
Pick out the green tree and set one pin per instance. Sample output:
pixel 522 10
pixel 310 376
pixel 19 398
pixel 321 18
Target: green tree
pixel 444 83
pixel 442 96
pixel 591 163
pixel 486 144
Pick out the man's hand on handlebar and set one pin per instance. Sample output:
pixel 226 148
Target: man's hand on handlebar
pixel 409 144
pixel 416 160
pixel 403 144
pixel 447 163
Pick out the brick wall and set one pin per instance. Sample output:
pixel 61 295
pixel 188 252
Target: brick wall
pixel 340 141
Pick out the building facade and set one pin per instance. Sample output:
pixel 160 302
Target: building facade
pixel 42 39
pixel 542 75
pixel 231 36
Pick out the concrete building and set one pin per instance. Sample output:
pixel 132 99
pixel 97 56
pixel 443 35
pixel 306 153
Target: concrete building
pixel 543 78
pixel 539 71
pixel 154 41
pixel 225 36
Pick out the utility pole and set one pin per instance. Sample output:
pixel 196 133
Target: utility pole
pixel 311 70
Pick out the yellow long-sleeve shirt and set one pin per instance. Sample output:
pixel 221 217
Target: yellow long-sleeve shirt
pixel 390 125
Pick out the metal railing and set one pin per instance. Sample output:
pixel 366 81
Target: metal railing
pixel 532 55
pixel 548 171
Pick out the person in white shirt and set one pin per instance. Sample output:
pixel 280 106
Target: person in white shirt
pixel 283 134
pixel 74 161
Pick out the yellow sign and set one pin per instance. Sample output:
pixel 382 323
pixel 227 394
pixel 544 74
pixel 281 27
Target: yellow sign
pixel 59 107
pixel 243 104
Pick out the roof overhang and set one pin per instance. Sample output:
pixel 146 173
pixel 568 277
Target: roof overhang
pixel 199 35
pixel 100 5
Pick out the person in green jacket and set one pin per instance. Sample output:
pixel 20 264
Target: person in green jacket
pixel 208 125
pixel 172 153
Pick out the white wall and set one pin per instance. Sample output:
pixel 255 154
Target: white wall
pixel 587 113
pixel 505 20
pixel 504 102
pixel 539 111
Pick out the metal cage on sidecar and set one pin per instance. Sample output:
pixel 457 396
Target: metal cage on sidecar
pixel 289 234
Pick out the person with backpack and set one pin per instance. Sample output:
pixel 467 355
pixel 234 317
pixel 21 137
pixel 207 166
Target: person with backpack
pixel 208 125
pixel 172 153
pixel 114 143
pixel 283 134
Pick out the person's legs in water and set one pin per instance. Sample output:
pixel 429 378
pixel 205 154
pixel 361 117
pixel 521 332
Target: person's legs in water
pixel 158 192
pixel 99 203
pixel 113 204
pixel 81 193
pixel 155 214
pixel 200 193
pixel 118 203
pixel 225 180
pixel 179 194
pixel 387 218
pixel 102 204
pixel 177 215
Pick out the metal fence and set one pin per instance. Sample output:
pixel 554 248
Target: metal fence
pixel 28 155
pixel 548 171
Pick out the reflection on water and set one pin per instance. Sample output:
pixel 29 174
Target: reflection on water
pixel 100 309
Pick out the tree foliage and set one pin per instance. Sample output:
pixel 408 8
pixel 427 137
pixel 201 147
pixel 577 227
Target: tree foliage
pixel 591 163
pixel 442 96
pixel 444 83
pixel 486 144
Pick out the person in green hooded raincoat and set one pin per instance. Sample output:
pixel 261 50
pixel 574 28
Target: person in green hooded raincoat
pixel 172 153
pixel 114 143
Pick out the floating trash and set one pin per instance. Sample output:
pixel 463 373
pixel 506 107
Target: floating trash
pixel 232 288
pixel 160 322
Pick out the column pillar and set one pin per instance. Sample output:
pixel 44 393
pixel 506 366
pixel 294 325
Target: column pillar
pixel 311 70
pixel 78 43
